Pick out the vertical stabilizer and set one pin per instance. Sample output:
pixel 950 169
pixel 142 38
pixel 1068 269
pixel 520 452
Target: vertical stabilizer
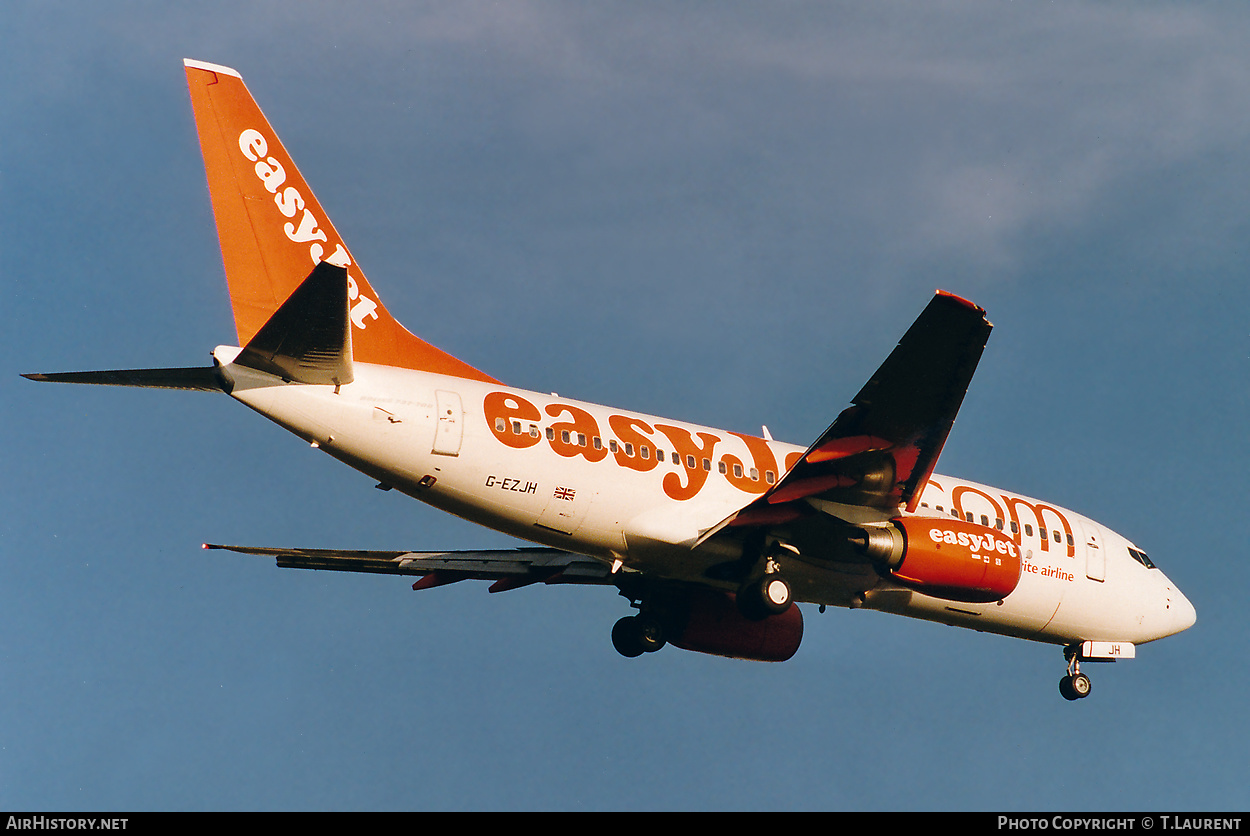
pixel 273 231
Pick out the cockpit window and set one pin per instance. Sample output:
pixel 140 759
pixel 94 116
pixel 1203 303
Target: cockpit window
pixel 1141 558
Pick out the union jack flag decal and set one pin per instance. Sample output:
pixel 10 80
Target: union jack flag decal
pixel 564 493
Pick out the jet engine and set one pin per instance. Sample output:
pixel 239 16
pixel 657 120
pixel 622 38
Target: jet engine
pixel 712 624
pixel 945 558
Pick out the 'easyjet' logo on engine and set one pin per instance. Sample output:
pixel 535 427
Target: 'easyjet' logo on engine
pixel 976 543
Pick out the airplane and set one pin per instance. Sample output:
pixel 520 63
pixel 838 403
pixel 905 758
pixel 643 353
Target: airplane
pixel 712 536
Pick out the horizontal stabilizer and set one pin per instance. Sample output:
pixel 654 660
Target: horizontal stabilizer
pixel 309 338
pixel 205 379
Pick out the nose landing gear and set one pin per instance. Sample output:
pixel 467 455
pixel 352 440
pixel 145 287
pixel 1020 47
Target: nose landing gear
pixel 1076 685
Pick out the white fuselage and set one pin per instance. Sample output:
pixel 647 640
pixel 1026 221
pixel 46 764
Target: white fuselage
pixel 620 486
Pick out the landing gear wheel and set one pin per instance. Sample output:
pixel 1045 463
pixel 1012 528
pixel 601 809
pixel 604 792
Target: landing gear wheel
pixel 625 637
pixel 1081 686
pixel 775 593
pixel 1075 686
pixel 770 595
pixel 650 633
pixel 635 635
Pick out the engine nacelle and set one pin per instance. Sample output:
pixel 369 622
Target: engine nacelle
pixel 711 623
pixel 945 558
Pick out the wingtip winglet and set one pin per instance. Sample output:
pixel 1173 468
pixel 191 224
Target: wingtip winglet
pixel 959 299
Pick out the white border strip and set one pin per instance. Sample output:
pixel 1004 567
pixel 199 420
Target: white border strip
pixel 212 68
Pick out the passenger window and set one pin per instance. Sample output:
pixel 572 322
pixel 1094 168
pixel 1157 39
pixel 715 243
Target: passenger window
pixel 755 475
pixel 659 455
pixel 738 470
pixel 985 521
pixel 500 425
pixel 646 452
pixel 612 445
pixel 1056 535
pixel 516 427
pixel 721 466
pixel 707 464
pixel 690 462
pixel 1028 530
pixel 551 434
pixel 629 450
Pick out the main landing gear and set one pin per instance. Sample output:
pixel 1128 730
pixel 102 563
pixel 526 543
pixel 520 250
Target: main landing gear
pixel 768 595
pixel 668 614
pixel 635 635
pixel 1076 685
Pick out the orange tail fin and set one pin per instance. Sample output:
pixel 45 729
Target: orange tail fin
pixel 273 231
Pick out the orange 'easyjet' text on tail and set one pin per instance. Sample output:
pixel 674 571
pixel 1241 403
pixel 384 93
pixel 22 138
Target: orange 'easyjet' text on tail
pixel 273 231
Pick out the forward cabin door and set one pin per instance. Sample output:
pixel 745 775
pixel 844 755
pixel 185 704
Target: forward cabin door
pixel 1095 554
pixel 450 430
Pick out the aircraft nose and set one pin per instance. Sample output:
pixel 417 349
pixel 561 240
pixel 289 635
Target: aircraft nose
pixel 1183 612
pixel 1178 613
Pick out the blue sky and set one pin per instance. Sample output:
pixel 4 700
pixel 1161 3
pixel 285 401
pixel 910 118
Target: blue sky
pixel 725 213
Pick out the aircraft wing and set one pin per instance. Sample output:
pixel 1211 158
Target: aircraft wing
pixel 508 568
pixel 881 450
